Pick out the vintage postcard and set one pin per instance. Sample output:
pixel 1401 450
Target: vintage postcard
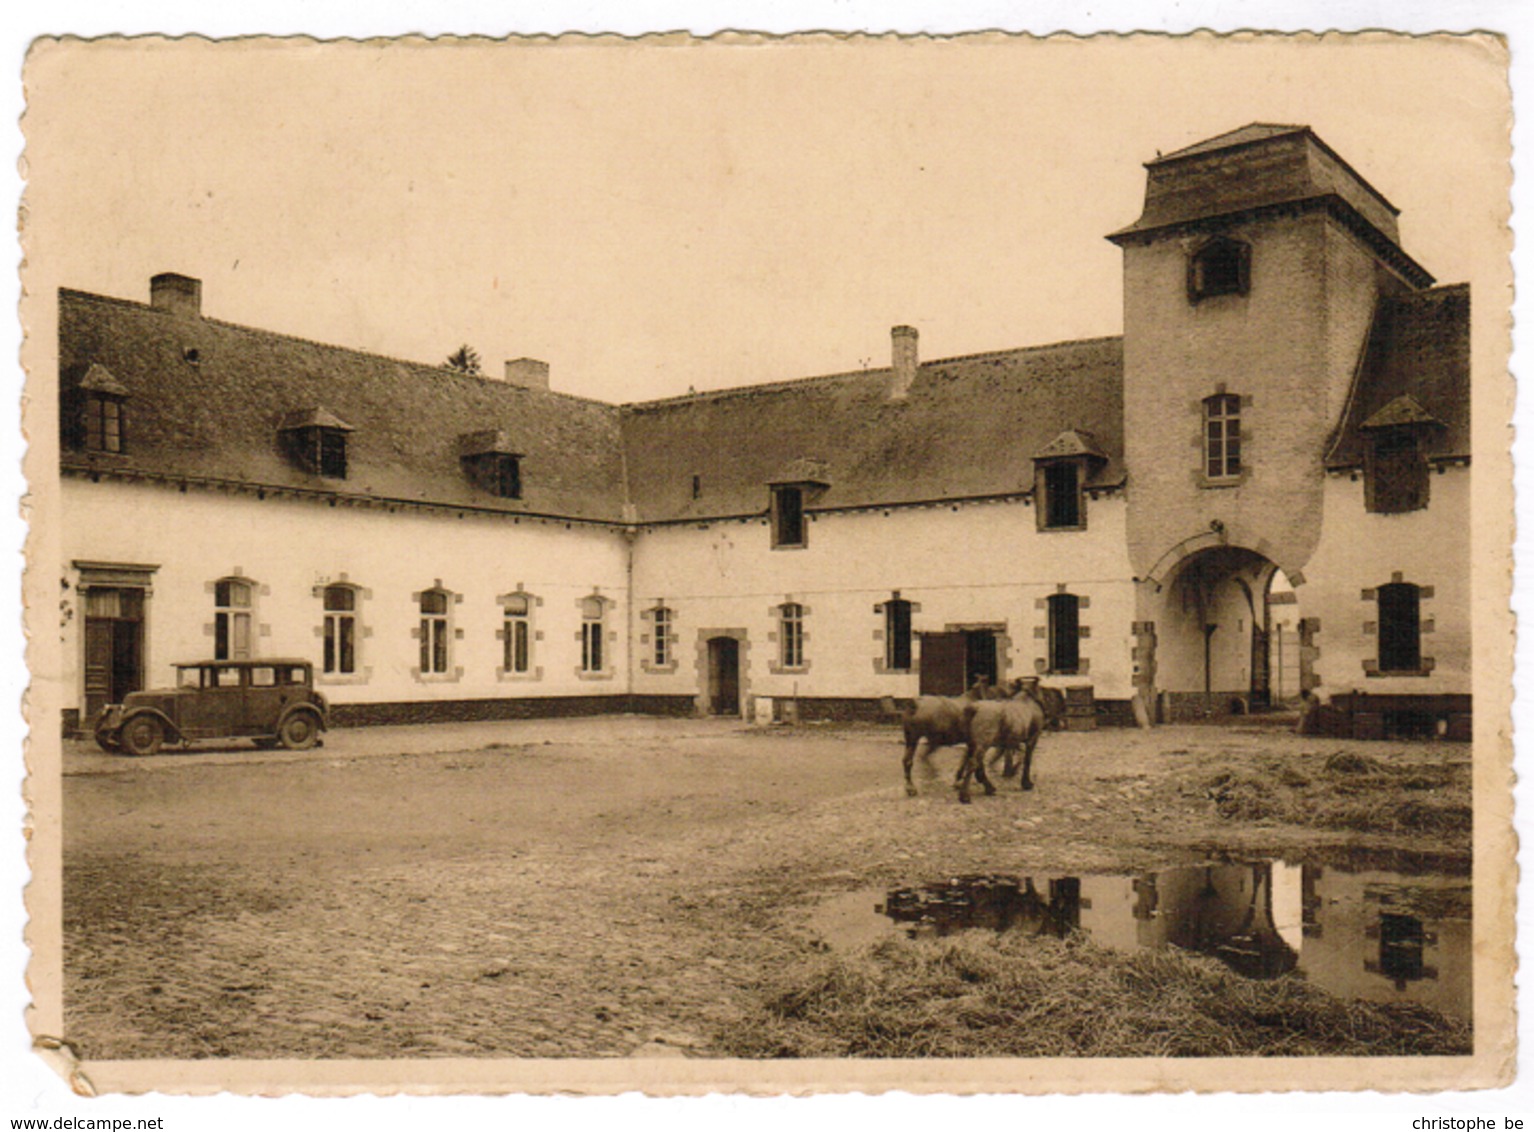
pixel 770 565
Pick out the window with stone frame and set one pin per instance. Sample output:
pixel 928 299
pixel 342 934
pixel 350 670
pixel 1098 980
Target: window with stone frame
pixel 1064 638
pixel 435 632
pixel 517 635
pixel 1395 473
pixel 1400 628
pixel 341 631
pixel 1222 437
pixel 233 619
pixel 897 634
pixel 791 635
pixel 661 642
pixel 593 626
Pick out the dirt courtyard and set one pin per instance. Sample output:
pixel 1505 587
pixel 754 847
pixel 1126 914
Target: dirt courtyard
pixel 594 888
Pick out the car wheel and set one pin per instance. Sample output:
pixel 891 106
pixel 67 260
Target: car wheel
pixel 299 731
pixel 142 735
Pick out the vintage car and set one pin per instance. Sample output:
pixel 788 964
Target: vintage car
pixel 270 701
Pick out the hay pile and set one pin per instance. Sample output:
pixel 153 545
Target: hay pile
pixel 984 995
pixel 1347 791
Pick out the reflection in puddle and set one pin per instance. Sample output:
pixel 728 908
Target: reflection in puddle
pixel 1373 935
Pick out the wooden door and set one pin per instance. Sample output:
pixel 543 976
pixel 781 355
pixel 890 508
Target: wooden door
pixel 724 676
pixel 114 647
pixel 942 664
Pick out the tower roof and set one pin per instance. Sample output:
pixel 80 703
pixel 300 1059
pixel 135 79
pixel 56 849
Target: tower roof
pixel 1260 169
pixel 1255 132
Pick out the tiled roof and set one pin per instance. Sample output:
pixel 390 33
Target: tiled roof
pixel 1417 360
pixel 968 427
pixel 218 417
pixel 207 400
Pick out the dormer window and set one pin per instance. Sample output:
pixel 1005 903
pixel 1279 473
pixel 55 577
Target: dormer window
pixel 1395 470
pixel 499 473
pixel 103 422
pixel 102 401
pixel 490 464
pixel 1059 478
pixel 1220 267
pixel 1062 494
pixel 315 441
pixel 797 484
pixel 788 515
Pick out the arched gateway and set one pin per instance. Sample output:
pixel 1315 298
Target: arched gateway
pixel 1220 619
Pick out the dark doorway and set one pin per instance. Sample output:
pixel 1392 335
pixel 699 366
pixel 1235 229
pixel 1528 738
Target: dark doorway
pixel 114 646
pixel 980 657
pixel 1262 690
pixel 723 676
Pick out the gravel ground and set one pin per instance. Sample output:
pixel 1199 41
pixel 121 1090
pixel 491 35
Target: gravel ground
pixel 595 888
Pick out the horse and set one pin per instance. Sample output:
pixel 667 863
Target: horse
pixel 940 721
pixel 1004 726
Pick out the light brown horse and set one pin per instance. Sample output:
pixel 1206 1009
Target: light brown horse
pixel 939 721
pixel 1002 726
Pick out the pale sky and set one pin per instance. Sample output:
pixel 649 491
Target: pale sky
pixel 652 218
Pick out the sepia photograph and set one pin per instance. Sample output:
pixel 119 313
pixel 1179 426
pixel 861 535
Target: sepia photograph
pixel 763 564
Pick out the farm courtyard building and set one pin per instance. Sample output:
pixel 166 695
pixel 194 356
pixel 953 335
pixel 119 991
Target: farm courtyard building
pixel 1259 489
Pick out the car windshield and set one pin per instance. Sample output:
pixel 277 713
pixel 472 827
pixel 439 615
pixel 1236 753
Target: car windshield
pixel 189 678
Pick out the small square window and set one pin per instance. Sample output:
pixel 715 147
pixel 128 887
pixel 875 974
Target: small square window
pixel 1220 267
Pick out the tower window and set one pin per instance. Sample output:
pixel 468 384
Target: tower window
pixel 1220 267
pixel 1222 436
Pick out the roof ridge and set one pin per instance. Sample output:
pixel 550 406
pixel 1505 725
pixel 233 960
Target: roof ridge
pixel 801 382
pixel 114 300
pixel 1221 140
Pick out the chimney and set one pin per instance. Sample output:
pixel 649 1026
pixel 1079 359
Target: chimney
pixel 903 361
pixel 529 373
pixel 178 294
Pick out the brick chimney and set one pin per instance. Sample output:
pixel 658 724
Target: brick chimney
pixel 903 361
pixel 177 294
pixel 528 372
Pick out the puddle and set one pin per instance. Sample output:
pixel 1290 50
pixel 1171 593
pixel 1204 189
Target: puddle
pixel 1370 934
